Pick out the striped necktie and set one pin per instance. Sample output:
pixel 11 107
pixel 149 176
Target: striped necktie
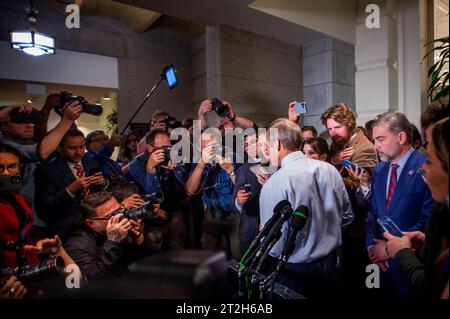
pixel 79 171
pixel 392 185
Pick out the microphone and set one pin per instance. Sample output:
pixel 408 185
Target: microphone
pixel 286 213
pixel 298 221
pixel 267 227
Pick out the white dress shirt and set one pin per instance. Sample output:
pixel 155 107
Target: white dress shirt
pixel 319 186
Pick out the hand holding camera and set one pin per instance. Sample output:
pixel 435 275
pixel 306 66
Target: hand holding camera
pixel 132 201
pixel 118 228
pixel 137 231
pixel 208 154
pixel 156 158
pixel 12 289
pixel 72 111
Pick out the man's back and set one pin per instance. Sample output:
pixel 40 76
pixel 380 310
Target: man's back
pixel 318 186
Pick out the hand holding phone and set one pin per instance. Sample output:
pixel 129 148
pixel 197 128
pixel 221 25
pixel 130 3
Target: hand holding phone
pixel 389 226
pixel 300 108
pixel 247 188
pixel 347 163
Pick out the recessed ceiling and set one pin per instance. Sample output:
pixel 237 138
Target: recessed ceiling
pixel 234 13
pixel 139 19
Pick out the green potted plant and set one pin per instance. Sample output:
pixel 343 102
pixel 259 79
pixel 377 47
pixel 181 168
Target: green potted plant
pixel 437 74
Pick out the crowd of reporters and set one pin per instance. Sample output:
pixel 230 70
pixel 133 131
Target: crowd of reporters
pixel 77 203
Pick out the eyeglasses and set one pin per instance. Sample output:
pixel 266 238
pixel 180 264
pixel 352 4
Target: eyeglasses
pixel 12 168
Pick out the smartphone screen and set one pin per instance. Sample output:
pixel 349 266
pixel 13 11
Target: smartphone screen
pixel 300 108
pixel 171 77
pixel 389 226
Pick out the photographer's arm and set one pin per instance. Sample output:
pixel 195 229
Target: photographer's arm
pixel 40 129
pixel 238 121
pixel 51 141
pixel 147 181
pixel 194 181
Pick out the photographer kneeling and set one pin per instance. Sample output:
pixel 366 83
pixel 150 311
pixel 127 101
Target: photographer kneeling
pixel 107 241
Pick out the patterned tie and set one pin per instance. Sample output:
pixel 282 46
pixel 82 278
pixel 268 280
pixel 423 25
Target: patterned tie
pixel 80 173
pixel 392 185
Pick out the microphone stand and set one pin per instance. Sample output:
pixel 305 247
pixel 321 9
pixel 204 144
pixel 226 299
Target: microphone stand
pixel 142 104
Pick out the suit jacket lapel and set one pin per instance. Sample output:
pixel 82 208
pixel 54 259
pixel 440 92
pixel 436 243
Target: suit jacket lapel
pixel 404 180
pixel 65 172
pixel 381 185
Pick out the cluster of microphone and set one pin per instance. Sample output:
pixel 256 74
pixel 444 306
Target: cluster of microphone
pixel 269 235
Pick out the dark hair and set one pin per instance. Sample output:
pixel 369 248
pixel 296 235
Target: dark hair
pixel 310 128
pixel 91 135
pixel 123 190
pixel 369 125
pixel 434 112
pixel 416 134
pixel 318 144
pixel 90 203
pixel 124 151
pixel 150 138
pixel 5 148
pixel 440 138
pixel 73 132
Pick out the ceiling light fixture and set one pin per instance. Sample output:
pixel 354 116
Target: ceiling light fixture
pixel 30 41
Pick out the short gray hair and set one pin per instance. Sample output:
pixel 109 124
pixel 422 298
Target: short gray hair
pixel 397 122
pixel 289 133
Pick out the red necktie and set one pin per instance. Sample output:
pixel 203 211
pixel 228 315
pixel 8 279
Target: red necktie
pixel 80 173
pixel 392 185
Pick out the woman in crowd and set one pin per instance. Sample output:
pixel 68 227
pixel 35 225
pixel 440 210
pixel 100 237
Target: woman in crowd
pixel 17 248
pixel 316 148
pixel 128 148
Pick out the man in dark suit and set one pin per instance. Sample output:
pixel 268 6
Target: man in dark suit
pixel 62 183
pixel 398 191
pixel 245 202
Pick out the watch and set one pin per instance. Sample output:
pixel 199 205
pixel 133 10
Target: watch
pixel 232 174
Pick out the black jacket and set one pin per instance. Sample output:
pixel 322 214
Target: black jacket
pixel 249 221
pixel 98 257
pixel 53 203
pixel 421 271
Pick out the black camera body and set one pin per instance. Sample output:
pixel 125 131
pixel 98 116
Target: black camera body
pixel 218 107
pixel 155 198
pixel 34 272
pixel 66 97
pixel 172 123
pixel 144 212
pixel 22 117
pixel 167 151
pixel 10 183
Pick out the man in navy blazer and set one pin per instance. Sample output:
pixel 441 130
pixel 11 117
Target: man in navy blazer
pixel 397 191
pixel 62 183
pixel 246 203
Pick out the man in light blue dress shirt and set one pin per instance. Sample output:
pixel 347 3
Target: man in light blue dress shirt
pixel 314 265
